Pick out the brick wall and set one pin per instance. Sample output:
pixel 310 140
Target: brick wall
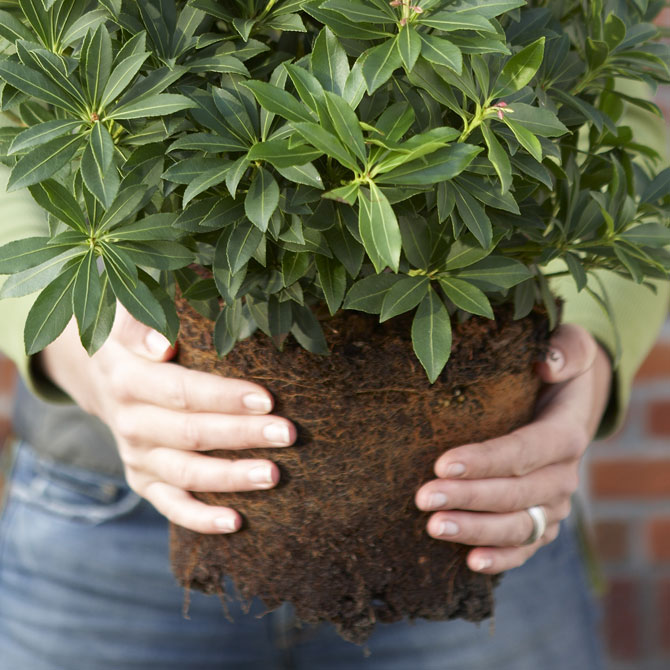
pixel 629 490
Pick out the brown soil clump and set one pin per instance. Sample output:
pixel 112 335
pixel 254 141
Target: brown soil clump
pixel 340 537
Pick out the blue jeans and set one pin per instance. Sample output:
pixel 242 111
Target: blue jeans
pixel 85 584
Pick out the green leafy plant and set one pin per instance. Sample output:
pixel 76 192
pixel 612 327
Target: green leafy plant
pixel 267 156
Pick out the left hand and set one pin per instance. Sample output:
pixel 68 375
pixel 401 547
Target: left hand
pixel 484 489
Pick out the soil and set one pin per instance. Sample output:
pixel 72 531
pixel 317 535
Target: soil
pixel 340 537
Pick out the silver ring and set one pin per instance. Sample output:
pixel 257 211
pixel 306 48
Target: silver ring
pixel 539 519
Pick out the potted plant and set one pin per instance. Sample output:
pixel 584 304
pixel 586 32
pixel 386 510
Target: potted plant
pixel 368 199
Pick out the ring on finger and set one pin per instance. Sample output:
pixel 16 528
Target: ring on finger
pixel 539 519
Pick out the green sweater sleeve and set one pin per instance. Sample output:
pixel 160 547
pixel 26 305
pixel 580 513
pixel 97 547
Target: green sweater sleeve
pixel 639 314
pixel 20 216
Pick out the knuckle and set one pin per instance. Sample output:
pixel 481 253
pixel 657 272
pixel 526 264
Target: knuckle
pixel 135 480
pixel 516 498
pixel 191 435
pixel 119 386
pixel 132 461
pixel 181 474
pixel 518 449
pixel 127 426
pixel 176 393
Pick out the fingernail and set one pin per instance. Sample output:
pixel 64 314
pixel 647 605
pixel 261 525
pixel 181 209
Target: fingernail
pixel 455 470
pixel 257 402
pixel 555 359
pixel 277 433
pixel 483 564
pixel 156 343
pixel 261 474
pixel 449 528
pixel 436 500
pixel 226 523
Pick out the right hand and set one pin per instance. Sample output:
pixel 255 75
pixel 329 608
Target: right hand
pixel 163 416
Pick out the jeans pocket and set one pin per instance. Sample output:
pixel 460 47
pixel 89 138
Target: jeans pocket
pixel 68 491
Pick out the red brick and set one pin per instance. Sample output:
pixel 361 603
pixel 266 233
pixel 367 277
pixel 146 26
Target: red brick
pixel 658 539
pixel 658 418
pixel 622 619
pixel 7 375
pixel 631 479
pixel 664 18
pixel 657 364
pixel 663 610
pixel 611 538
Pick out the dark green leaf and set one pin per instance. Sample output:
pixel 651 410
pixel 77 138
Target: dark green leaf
pixel 103 320
pixel 519 69
pixel 404 296
pixel 409 46
pixel 97 167
pixel 42 133
pixel 330 64
pixel 367 295
pixel 474 217
pixel 379 228
pixel 43 161
pixel 442 165
pixel 497 271
pixel 431 335
pixel 333 279
pixel 162 104
pixel 95 65
pixel 242 244
pixel 380 63
pixel 262 199
pixel 59 202
pixel 279 102
pixel 87 292
pixel 466 296
pixel 307 330
pixel 50 313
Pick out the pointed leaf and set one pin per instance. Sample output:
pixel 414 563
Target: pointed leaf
pixel 379 228
pixel 43 162
pixel 466 296
pixel 404 296
pixel 262 199
pixel 50 313
pixel 162 104
pixel 431 335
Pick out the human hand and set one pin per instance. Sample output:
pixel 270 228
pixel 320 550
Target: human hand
pixel 486 488
pixel 164 416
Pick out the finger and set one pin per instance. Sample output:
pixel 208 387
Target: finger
pixel 184 510
pixel 481 529
pixel 197 472
pixel 557 436
pixel 149 426
pixel 572 351
pixel 503 494
pixel 177 388
pixel 139 338
pixel 492 560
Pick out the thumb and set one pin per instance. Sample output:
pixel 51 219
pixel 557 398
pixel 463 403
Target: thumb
pixel 572 351
pixel 140 338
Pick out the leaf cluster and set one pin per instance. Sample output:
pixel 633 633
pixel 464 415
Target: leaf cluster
pixel 433 157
